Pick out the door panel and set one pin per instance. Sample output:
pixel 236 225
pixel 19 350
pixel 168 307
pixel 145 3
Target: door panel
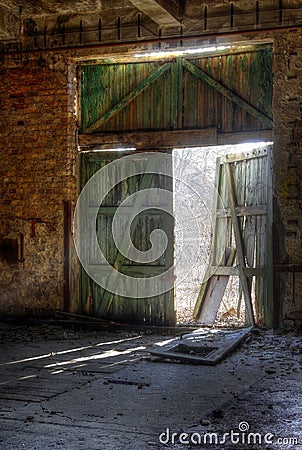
pixel 231 92
pixel 242 221
pixel 96 300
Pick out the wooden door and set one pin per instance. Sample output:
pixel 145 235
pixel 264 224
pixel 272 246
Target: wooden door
pixel 96 300
pixel 242 222
pixel 229 92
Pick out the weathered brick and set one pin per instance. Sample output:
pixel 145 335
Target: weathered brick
pixel 37 179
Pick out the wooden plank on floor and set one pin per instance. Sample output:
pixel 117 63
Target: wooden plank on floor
pixel 214 292
pixel 39 388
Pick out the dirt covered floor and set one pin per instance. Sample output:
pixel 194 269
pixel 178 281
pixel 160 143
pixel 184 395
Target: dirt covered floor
pixel 78 389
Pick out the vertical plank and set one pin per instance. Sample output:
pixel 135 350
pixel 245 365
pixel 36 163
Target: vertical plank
pixel 270 314
pixel 261 235
pixel 67 231
pixel 249 232
pixel 240 253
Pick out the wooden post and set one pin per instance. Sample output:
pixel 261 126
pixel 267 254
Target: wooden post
pixel 239 246
pixel 67 228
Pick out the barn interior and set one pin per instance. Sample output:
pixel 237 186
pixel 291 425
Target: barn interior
pixel 114 304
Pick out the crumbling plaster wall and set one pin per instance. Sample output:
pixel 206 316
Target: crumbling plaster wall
pixel 287 169
pixel 38 131
pixel 36 176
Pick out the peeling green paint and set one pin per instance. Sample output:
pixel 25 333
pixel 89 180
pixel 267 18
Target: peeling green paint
pixel 233 94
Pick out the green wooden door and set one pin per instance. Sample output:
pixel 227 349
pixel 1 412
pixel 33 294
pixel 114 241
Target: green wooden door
pixel 111 304
pixel 231 92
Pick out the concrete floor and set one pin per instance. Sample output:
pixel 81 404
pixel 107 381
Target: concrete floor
pixel 88 390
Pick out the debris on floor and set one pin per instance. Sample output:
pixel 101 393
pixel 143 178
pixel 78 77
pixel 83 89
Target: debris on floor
pixel 204 346
pixel 139 384
pixel 99 390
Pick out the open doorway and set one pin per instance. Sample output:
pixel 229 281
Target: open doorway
pixel 195 187
pixel 208 96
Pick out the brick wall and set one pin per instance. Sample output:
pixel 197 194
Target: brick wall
pixel 36 177
pixel 37 139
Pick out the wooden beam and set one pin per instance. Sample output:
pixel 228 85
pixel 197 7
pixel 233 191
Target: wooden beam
pixel 144 140
pixel 128 98
pixel 67 231
pixel 244 156
pixel 243 211
pixel 212 291
pixel 177 93
pixel 234 271
pixel 269 297
pixel 239 246
pixel 244 137
pixel 161 14
pixel 219 87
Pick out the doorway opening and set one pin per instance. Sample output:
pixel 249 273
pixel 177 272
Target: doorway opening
pixel 195 189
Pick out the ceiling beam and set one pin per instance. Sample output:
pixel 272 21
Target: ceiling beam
pixel 148 140
pixel 161 12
